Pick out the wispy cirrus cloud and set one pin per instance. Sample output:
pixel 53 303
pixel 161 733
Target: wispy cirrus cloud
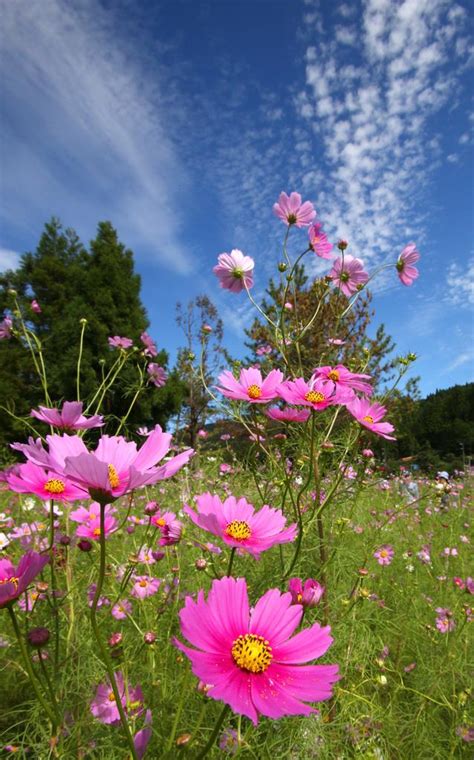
pixel 8 259
pixel 460 284
pixel 85 134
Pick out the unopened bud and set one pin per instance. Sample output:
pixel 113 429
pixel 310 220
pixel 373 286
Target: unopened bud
pixel 200 564
pixel 84 545
pixel 149 637
pixel 38 637
pixel 115 640
pixel 182 740
pixel 282 267
pixel 342 245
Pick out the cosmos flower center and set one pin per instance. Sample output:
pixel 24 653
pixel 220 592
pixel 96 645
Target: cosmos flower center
pixel 111 696
pixel 383 553
pixel 161 522
pixel 314 397
pixel 368 419
pixel 333 375
pixel 254 391
pixel 252 653
pixel 54 485
pixel 114 479
pixel 96 531
pixel 291 218
pixel 237 273
pixel 13 580
pixel 344 277
pixel 400 265
pixel 239 530
pixel 143 584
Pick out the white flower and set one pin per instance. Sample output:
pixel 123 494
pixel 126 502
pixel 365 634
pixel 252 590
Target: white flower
pixel 29 504
pixel 4 541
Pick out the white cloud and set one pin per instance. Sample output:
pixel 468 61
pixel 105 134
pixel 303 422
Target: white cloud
pixel 8 259
pixel 101 148
pixel 460 284
pixel 465 357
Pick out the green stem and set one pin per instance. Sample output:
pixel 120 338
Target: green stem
pixel 79 359
pixel 214 734
pixel 103 650
pixel 231 561
pixel 29 669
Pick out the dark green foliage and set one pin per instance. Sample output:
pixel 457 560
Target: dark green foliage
pixel 72 284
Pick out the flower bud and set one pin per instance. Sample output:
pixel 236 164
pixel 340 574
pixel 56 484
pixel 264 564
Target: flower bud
pixel 282 267
pixel 115 640
pixel 151 508
pixel 38 637
pixel 65 540
pixel 200 564
pixel 84 545
pixel 342 245
pixel 149 637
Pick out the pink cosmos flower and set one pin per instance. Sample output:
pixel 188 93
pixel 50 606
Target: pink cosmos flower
pixel 238 525
pixel 318 394
pixel 117 342
pixel 170 528
pixel 117 467
pixel 251 386
pixel 369 415
pixel 263 350
pixel 367 453
pixel 384 555
pixel 142 737
pixel 309 594
pixel 47 484
pixel 92 512
pixel 70 417
pixel 157 375
pixel 343 378
pixel 225 469
pixel 91 528
pixel 150 345
pixel 348 274
pixel 404 266
pixel 120 610
pixel 6 328
pixel 291 210
pixel 248 657
pixel 144 585
pixel 202 434
pixel 318 241
pixel 15 580
pixel 288 414
pixel 104 707
pixel 444 622
pixel 35 306
pixel 145 556
pixel 234 271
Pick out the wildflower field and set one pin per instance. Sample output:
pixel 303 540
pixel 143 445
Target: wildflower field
pixel 273 590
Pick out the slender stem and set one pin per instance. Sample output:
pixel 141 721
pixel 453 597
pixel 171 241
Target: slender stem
pixel 217 728
pixel 79 359
pixel 47 679
pixel 102 648
pixel 231 561
pixel 29 669
pixel 179 710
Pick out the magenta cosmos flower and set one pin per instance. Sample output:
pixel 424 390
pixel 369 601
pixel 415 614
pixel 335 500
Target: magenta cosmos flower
pixel 117 342
pixel 308 594
pixel 318 394
pixel 348 274
pixel 70 417
pixel 251 386
pixel 150 345
pixel 289 414
pixel 157 375
pixel 369 415
pixel 104 706
pixel 15 580
pixel 238 525
pixel 34 305
pixel 234 271
pixel 384 555
pixel 291 210
pixel 404 266
pixel 343 378
pixel 248 657
pixel 318 241
pixel 6 328
pixel 117 467
pixel 169 527
pixel 47 484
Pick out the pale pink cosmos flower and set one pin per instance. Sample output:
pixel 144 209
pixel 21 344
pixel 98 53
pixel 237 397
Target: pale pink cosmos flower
pixel 70 417
pixel 117 467
pixel 92 512
pixel 15 580
pixel 344 378
pixel 404 266
pixel 144 585
pixel 6 328
pixel 234 271
pixel 291 210
pixel 92 529
pixel 444 621
pixel 336 342
pixel 157 375
pixel 248 656
pixel 150 345
pixel 117 342
pixel 318 241
pixel 251 386
pixel 370 415
pixel 120 610
pixel 237 523
pixel 288 414
pixel 317 393
pixel 384 555
pixel 367 453
pixel 142 737
pixel 308 594
pixel 145 556
pixel 263 350
pixel 104 706
pixel 348 274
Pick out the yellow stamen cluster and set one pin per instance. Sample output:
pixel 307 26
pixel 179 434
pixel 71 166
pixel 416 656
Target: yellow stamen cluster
pixel 254 391
pixel 96 531
pixel 333 375
pixel 111 696
pixel 161 522
pixel 10 580
pixel 252 653
pixel 54 486
pixel 368 419
pixel 239 530
pixel 314 397
pixel 143 583
pixel 114 479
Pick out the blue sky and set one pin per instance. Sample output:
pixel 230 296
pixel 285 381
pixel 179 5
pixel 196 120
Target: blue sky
pixel 182 121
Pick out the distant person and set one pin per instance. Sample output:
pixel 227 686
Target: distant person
pixel 443 488
pixel 410 489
